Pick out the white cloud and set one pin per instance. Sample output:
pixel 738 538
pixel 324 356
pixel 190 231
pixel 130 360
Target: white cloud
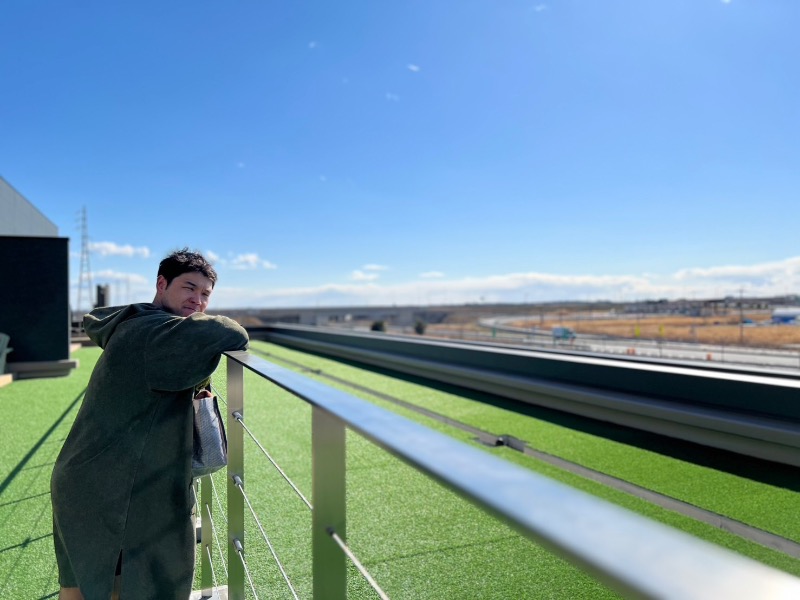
pixel 107 275
pixel 763 279
pixel 392 97
pixel 365 291
pixel 212 256
pixel 432 275
pixel 112 249
pixel 778 270
pixel 358 275
pixel 374 267
pixel 414 68
pixel 249 261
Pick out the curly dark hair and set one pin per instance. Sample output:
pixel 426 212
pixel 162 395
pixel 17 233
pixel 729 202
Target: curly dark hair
pixel 185 261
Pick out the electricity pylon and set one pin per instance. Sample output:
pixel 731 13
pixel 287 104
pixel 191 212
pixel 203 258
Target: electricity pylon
pixel 85 270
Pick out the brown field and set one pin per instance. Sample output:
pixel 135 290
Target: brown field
pixel 717 329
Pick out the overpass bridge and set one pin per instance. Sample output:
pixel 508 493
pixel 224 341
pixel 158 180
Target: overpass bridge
pixel 399 316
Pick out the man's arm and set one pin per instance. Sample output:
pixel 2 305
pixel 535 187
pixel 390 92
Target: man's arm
pixel 183 351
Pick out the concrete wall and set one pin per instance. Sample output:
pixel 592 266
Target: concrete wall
pixel 21 218
pixel 729 389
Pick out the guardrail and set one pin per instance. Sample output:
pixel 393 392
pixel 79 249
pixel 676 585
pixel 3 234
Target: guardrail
pixel 631 554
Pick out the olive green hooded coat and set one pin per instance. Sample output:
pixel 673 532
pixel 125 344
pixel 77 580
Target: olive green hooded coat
pixel 122 482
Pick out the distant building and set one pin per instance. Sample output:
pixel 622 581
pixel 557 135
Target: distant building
pixel 34 311
pixel 18 217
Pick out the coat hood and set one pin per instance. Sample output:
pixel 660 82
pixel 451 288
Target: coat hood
pixel 101 323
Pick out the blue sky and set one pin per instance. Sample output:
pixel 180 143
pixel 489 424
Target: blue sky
pixel 373 152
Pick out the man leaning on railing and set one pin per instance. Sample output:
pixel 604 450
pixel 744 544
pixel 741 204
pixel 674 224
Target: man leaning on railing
pixel 122 484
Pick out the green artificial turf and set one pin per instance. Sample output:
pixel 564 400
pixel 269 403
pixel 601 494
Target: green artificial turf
pixel 417 539
pixel 37 414
pixel 721 488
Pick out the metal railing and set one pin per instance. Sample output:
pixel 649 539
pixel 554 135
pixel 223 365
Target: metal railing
pixel 635 556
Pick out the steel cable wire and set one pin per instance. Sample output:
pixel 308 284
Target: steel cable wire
pixel 238 417
pixel 216 541
pixel 216 497
pixel 240 551
pixel 211 564
pixel 208 549
pixel 213 535
pixel 238 482
pixel 216 392
pixel 361 568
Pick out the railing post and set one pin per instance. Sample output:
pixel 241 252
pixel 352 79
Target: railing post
pixel 206 536
pixel 328 491
pixel 235 433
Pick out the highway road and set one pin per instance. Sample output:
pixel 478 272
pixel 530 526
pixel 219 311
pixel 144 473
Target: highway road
pixel 735 355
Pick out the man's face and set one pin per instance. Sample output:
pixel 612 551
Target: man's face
pixel 188 293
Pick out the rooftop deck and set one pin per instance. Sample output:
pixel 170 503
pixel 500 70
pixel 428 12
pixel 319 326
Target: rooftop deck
pixel 417 539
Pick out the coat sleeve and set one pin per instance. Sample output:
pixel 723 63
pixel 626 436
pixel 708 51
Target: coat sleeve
pixel 183 351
